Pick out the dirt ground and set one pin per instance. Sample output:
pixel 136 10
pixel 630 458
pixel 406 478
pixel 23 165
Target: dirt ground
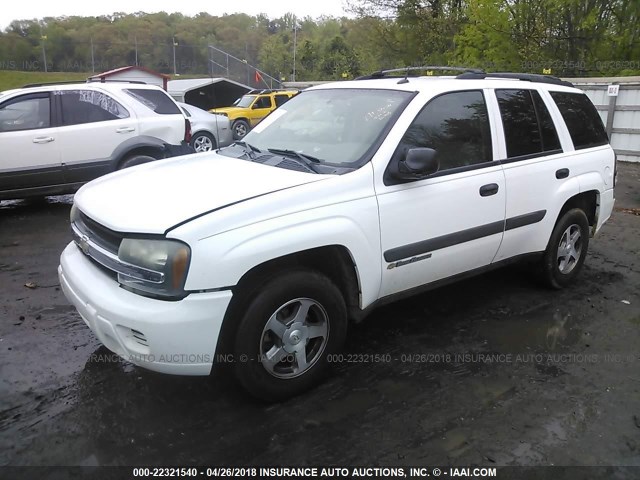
pixel 492 371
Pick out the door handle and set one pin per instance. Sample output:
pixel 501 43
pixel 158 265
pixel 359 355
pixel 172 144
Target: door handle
pixel 488 190
pixel 125 129
pixel 43 139
pixel 562 173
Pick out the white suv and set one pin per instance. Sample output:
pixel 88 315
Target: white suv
pixel 351 195
pixel 57 137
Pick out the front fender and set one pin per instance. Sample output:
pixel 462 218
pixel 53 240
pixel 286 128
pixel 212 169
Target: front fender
pixel 221 260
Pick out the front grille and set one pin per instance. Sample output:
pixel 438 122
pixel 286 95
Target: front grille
pixel 101 245
pixel 99 234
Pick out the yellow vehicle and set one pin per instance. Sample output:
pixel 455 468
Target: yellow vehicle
pixel 248 110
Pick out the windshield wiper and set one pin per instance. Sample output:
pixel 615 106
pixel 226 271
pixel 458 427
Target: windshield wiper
pixel 249 149
pixel 308 160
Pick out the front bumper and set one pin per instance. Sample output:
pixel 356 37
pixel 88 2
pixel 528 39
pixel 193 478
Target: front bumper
pixel 170 337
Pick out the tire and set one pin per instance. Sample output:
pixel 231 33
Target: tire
pixel 134 160
pixel 273 326
pixel 240 129
pixel 567 249
pixel 203 142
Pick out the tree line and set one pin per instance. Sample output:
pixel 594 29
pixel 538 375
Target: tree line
pixel 561 37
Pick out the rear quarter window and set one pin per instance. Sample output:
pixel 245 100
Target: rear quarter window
pixel 156 100
pixel 582 119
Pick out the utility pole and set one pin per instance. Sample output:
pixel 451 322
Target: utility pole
pixel 135 39
pixel 175 72
pixel 295 41
pixel 93 68
pixel 44 52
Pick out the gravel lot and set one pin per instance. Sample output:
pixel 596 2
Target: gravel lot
pixel 492 371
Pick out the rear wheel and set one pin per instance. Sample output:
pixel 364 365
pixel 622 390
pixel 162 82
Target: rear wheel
pixel 567 249
pixel 240 129
pixel 134 160
pixel 203 142
pixel 286 334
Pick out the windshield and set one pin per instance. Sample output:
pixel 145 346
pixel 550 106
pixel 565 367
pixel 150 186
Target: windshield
pixel 336 126
pixel 245 101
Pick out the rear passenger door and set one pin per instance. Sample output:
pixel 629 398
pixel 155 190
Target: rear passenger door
pixel 452 221
pixel 93 124
pixel 536 168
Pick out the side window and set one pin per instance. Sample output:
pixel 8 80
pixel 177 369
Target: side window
pixel 281 99
pixel 456 125
pixel 582 119
pixel 550 140
pixel 156 100
pixel 89 106
pixel 262 102
pixel 528 127
pixel 27 112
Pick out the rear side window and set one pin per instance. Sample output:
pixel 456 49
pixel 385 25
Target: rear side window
pixel 156 100
pixel 456 125
pixel 550 140
pixel 528 127
pixel 281 99
pixel 88 106
pixel 582 119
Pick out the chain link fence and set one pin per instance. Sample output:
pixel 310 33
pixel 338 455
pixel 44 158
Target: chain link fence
pixel 176 59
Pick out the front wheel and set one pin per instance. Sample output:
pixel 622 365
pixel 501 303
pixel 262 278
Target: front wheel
pixel 567 249
pixel 286 334
pixel 240 129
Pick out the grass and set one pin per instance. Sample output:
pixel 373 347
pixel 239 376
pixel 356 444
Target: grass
pixel 15 79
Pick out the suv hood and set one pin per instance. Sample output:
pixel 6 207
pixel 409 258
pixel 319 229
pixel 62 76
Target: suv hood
pixel 226 109
pixel 155 197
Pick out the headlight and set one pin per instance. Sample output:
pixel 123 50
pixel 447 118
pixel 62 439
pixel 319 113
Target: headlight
pixel 162 266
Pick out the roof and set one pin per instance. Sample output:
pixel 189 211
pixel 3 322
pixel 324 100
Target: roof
pixel 129 68
pixel 186 85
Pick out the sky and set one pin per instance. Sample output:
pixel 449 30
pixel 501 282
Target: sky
pixel 29 9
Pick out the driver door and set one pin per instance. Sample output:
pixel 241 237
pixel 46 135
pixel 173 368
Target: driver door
pixel 453 220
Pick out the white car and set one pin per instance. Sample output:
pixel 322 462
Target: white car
pixel 209 131
pixel 56 137
pixel 258 256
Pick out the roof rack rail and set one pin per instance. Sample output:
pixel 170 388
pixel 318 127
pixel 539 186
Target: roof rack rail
pixel 256 91
pixel 406 70
pixel 71 82
pixel 46 84
pixel 105 80
pixel 528 77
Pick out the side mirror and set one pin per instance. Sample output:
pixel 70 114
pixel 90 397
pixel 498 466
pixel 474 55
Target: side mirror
pixel 418 163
